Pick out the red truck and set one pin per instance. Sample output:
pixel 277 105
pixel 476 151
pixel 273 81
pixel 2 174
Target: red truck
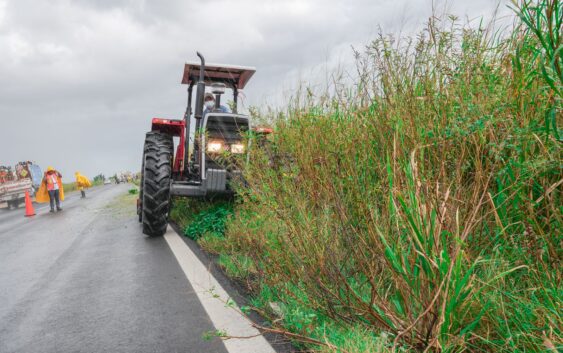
pixel 26 176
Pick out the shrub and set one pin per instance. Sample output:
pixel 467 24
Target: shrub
pixel 210 220
pixel 418 208
pixel 424 202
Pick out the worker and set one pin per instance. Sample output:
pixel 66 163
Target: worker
pixel 51 189
pixel 209 102
pixel 82 183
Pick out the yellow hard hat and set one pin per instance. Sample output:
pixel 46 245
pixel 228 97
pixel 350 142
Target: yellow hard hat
pixel 50 169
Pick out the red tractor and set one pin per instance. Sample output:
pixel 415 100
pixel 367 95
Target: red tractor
pixel 194 171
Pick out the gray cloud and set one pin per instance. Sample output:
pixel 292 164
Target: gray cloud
pixel 80 79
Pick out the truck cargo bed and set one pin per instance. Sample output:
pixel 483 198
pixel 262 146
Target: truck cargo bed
pixel 14 191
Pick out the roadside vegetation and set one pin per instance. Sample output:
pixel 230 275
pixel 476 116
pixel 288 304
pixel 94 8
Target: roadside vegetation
pixel 68 187
pixel 417 209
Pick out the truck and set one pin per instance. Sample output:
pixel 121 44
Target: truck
pixel 26 176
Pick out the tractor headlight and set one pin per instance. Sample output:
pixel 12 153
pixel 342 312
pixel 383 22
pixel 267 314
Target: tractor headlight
pixel 214 146
pixel 237 148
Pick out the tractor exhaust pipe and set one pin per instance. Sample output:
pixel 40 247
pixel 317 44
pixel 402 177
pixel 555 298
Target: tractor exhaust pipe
pixel 200 89
pixel 199 114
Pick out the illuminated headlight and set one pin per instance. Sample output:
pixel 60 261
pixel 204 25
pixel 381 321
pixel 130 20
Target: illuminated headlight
pixel 214 146
pixel 237 148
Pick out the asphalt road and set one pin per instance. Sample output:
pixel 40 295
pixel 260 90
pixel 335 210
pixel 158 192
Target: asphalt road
pixel 86 280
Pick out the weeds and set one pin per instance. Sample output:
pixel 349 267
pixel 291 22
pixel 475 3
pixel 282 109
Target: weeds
pixel 420 208
pixel 211 220
pixel 201 212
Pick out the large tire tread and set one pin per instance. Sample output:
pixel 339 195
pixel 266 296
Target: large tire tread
pixel 155 190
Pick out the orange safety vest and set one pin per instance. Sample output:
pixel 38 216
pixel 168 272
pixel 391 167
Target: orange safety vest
pixel 52 181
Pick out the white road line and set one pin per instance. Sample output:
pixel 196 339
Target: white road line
pixel 213 298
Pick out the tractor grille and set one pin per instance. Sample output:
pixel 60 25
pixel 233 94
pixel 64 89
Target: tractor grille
pixel 227 128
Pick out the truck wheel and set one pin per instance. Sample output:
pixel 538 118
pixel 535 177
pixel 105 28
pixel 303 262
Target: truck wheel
pixel 157 171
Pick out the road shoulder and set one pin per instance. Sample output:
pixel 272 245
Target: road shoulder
pixel 234 290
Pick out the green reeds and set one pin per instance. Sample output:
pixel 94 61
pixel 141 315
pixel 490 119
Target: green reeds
pixel 422 204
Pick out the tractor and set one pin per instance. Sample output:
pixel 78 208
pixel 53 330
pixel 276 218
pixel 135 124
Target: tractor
pixel 194 171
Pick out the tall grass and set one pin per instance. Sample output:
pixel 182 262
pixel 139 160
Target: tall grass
pixel 424 202
pixel 68 187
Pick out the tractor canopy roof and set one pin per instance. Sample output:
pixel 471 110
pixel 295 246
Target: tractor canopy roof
pixel 230 75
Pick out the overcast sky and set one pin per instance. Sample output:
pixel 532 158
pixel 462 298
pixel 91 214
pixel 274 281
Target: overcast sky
pixel 81 79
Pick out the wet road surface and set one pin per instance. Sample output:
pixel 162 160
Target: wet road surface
pixel 87 280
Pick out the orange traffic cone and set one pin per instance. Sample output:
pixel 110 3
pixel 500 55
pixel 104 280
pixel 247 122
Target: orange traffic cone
pixel 29 211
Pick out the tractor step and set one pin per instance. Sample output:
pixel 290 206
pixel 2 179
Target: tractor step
pixel 185 189
pixel 215 183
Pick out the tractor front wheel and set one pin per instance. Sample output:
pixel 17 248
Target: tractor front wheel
pixel 155 185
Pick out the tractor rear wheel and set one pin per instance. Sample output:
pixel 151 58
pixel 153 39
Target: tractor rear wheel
pixel 155 185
